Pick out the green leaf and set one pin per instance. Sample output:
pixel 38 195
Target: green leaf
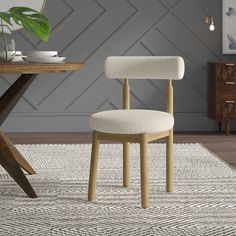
pixel 5 16
pixel 33 21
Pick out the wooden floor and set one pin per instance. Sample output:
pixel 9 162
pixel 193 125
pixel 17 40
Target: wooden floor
pixel 223 146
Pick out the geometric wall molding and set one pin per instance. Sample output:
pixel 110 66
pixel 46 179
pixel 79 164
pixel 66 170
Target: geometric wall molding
pixel 91 30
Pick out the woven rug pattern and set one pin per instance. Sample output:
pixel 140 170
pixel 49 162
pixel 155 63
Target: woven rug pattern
pixel 203 201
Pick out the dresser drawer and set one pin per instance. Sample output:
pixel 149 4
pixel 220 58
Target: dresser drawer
pixel 226 73
pixel 226 109
pixel 226 88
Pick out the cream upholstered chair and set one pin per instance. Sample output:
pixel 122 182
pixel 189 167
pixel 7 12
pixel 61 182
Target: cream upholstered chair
pixel 141 126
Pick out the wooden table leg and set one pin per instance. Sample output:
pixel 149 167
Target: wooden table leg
pixel 9 163
pixel 18 157
pixel 10 158
pixel 14 93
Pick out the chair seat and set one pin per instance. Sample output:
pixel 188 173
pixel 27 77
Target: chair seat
pixel 131 121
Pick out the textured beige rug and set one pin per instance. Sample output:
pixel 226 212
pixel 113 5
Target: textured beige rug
pixel 203 203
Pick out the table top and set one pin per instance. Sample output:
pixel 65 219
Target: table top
pixel 35 68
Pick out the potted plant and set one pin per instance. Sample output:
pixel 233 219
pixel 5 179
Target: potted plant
pixel 31 20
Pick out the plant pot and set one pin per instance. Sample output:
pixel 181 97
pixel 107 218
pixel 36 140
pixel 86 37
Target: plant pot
pixel 7 45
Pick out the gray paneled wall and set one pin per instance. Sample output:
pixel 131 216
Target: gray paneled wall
pixel 91 30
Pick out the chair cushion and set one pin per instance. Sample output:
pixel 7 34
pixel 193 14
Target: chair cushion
pixel 131 121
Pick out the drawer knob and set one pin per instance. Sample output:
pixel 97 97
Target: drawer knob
pixel 229 83
pixel 230 102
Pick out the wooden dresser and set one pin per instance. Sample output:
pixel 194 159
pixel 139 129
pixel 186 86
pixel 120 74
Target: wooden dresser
pixel 222 92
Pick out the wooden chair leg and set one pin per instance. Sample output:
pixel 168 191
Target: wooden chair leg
pixel 169 162
pixel 126 165
pixel 144 171
pixel 93 168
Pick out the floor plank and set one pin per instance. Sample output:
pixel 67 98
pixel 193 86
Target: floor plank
pixel 223 146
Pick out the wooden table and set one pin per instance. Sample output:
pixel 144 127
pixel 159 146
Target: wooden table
pixel 10 158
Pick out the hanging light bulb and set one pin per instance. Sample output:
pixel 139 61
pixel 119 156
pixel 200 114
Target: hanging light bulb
pixel 212 26
pixel 210 21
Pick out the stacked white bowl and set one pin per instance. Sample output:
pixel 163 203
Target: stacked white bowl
pixel 43 57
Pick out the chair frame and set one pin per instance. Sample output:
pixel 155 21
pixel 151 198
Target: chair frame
pixel 143 139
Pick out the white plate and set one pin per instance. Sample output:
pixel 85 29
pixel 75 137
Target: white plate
pixel 45 59
pixel 41 53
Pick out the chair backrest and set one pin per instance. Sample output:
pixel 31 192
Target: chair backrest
pixel 145 67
